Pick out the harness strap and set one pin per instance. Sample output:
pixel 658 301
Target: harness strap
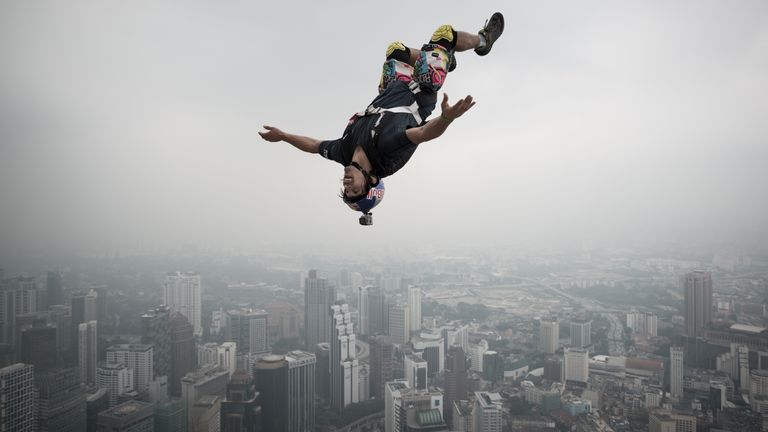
pixel 412 109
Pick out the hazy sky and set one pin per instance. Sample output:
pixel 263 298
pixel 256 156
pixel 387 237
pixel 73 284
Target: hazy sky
pixel 125 123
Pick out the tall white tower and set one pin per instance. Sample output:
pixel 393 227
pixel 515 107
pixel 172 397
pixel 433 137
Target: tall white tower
pixel 343 364
pixel 549 336
pixel 182 294
pixel 414 304
pixel 676 372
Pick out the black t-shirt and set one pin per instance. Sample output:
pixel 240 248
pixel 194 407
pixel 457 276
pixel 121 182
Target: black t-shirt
pixel 391 149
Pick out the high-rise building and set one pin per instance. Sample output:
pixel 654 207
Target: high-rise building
pixel 493 366
pixel 670 421
pixel 476 352
pixel 431 347
pixel 171 416
pixel 323 371
pixel 456 335
pixel 676 372
pixel 18 296
pixel 38 348
pixel 60 401
pixel 130 416
pixel 643 324
pixel 487 412
pixel 223 355
pixel 87 349
pixel 399 324
pixel 183 351
pixel 17 398
pixel 416 372
pixel 698 302
pixel 378 312
pixel 381 358
pixel 455 381
pixel 271 377
pixel 182 294
pixel 96 401
pixel 402 404
pixel 414 305
pixel 301 391
pixel 248 329
pixel 553 369
pixel 54 288
pixel 758 382
pixel 137 357
pixel 581 333
pixel 155 331
pixel 363 311
pixel 576 365
pixel 201 391
pixel 116 378
pixel 343 364
pixel 285 321
pixel 240 410
pixel 549 335
pixel 461 419
pixel 318 298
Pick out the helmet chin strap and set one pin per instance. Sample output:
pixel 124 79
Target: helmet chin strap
pixel 366 174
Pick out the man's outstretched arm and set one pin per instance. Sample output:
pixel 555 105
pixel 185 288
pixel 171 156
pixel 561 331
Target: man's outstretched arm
pixel 435 127
pixel 303 143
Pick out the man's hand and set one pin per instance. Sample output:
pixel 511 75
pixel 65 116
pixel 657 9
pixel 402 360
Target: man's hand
pixel 272 134
pixel 451 112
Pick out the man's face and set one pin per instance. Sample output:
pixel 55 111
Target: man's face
pixel 353 182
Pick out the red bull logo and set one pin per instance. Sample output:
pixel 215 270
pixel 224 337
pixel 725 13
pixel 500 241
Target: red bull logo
pixel 376 193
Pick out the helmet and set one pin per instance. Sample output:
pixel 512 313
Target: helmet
pixel 374 196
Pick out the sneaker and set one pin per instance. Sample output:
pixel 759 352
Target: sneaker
pixel 490 32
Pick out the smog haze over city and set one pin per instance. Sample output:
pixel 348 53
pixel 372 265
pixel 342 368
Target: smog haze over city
pixel 585 249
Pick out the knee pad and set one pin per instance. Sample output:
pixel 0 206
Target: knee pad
pixel 444 36
pixel 399 52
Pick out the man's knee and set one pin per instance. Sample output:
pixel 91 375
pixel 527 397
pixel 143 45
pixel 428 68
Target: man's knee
pixel 399 52
pixel 445 36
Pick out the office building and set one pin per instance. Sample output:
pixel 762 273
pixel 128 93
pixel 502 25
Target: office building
pixel 301 389
pixel 18 296
pixel 87 350
pixel 38 348
pixel 553 369
pixel 414 305
pixel 431 347
pixel 363 311
pixel 96 401
pixel 697 287
pixel 285 321
pixel 399 399
pixel 61 404
pixel 240 409
pixel 399 324
pixel 416 372
pixel 248 329
pixel 382 361
pixel 676 372
pixel 271 377
pixel 205 414
pixel 455 381
pixel 644 324
pixel 223 355
pixel 130 416
pixel 758 382
pixel 17 398
pixel 476 352
pixel 576 365
pixel 461 419
pixel 201 391
pixel 323 371
pixel 183 351
pixel 137 357
pixel 487 412
pixel 456 335
pixel 378 311
pixel 343 362
pixel 581 333
pixel 182 294
pixel 116 378
pixel 549 335
pixel 155 331
pixel 171 416
pixel 318 298
pixel 493 366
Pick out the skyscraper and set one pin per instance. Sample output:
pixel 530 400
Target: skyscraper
pixel 222 355
pixel 18 296
pixel 455 381
pixel 416 372
pixel 399 324
pixel 487 413
pixel 155 330
pixel 698 302
pixel 183 351
pixel 137 357
pixel 87 351
pixel 17 398
pixel 363 311
pixel 301 391
pixel 581 333
pixel 248 329
pixel 549 336
pixel 61 405
pixel 576 365
pixel 382 361
pixel 414 304
pixel 378 311
pixel 676 372
pixel 182 294
pixel 116 378
pixel 343 364
pixel 54 288
pixel 318 298
pixel 240 410
pixel 38 348
pixel 271 377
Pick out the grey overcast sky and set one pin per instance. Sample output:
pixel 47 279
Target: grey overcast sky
pixel 130 123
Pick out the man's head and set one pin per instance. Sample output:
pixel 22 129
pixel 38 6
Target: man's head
pixel 360 190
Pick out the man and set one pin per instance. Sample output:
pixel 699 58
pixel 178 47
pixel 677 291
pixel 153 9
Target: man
pixel 379 141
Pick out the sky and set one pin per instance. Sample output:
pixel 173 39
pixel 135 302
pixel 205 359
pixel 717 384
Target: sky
pixel 135 124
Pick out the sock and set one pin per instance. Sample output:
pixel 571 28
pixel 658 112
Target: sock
pixel 483 42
